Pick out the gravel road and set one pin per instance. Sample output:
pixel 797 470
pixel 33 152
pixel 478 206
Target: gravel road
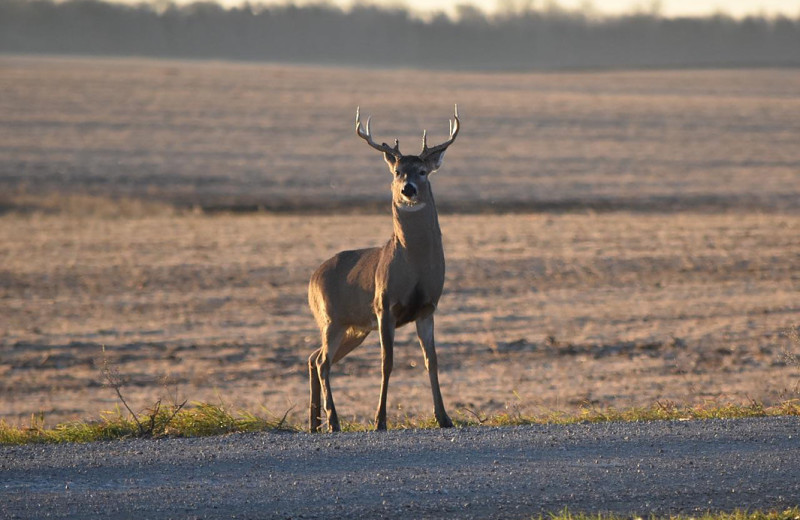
pixel 660 467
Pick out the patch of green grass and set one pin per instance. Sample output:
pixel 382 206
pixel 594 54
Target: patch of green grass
pixel 406 423
pixel 792 513
pixel 204 419
pixel 201 419
pixel 660 411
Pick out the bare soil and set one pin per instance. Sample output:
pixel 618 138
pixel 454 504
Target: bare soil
pixel 676 276
pixel 240 136
pixel 539 311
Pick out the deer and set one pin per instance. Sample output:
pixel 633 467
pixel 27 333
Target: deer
pixel 383 288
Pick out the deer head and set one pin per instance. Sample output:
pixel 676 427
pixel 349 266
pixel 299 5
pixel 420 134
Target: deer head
pixel 410 188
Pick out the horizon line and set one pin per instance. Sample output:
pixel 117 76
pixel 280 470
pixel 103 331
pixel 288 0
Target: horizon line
pixel 588 10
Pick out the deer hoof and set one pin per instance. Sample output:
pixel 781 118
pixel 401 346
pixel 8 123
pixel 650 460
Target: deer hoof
pixel 445 422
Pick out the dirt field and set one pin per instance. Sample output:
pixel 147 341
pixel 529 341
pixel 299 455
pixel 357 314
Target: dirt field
pixel 540 311
pixel 686 286
pixel 245 135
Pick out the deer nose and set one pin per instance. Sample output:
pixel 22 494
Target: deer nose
pixel 409 190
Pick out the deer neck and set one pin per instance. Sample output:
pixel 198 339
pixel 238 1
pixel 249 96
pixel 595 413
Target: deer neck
pixel 417 231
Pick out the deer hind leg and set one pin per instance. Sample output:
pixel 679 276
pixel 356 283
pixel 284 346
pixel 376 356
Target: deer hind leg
pixel 386 327
pixel 314 418
pixel 425 335
pixel 332 336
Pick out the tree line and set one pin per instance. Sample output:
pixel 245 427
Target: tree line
pixel 520 39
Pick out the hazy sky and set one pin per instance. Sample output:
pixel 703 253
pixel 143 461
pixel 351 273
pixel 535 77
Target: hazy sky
pixel 667 7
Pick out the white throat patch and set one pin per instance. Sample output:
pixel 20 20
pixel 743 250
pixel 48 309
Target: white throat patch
pixel 411 208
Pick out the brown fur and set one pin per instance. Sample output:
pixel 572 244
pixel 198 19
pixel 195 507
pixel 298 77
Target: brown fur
pixel 382 288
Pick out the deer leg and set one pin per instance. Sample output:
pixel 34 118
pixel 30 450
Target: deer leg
pixel 386 328
pixel 425 335
pixel 316 389
pixel 331 337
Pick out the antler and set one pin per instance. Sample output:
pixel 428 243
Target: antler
pixel 367 136
pixel 439 148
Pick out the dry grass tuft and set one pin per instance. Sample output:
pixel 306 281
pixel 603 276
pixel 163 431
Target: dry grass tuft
pixel 201 419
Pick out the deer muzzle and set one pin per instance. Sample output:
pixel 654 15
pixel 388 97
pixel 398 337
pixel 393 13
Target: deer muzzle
pixel 409 190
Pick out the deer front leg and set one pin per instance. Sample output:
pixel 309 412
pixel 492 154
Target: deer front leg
pixel 386 328
pixel 316 389
pixel 425 335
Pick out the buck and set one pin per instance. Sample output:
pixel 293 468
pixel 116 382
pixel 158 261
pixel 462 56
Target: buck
pixel 383 288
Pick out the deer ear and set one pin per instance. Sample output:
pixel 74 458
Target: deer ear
pixel 390 159
pixel 434 161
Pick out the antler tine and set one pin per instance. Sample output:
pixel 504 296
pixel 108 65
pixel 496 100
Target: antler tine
pixel 366 135
pixel 454 127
